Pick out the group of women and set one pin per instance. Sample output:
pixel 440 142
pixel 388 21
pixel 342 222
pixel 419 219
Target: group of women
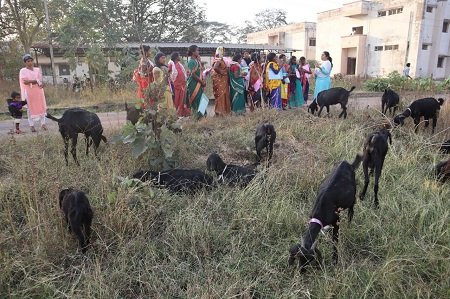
pixel 252 81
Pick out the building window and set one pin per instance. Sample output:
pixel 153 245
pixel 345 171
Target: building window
pixel 64 70
pixel 46 70
pixel 312 42
pixel 382 13
pixel 440 63
pixel 378 48
pixel 390 47
pixel 445 27
pixel 425 46
pixel 395 11
pixel 429 8
pixel 357 30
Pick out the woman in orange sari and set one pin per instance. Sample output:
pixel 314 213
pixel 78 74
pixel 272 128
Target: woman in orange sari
pixel 143 75
pixel 220 84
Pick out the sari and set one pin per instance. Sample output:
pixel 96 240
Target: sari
pixel 273 85
pixel 284 87
pixel 33 94
pixel 255 84
pixel 221 88
pixel 304 78
pixel 295 88
pixel 177 75
pixel 237 89
pixel 323 79
pixel 194 90
pixel 143 76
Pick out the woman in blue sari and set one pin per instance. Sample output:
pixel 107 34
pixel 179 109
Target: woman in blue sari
pixel 237 85
pixel 295 86
pixel 322 74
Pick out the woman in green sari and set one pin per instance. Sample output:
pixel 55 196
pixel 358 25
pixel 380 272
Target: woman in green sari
pixel 195 83
pixel 295 86
pixel 237 85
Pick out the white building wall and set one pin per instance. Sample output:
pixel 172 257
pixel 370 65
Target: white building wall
pixel 410 30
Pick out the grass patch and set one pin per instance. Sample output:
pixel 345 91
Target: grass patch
pixel 228 243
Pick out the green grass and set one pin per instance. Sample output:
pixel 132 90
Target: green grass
pixel 228 243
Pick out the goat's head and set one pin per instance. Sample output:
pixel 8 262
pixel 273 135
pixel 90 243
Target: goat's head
pixel 399 120
pixel 441 101
pixel 63 194
pixel 214 162
pixel 305 256
pixel 313 107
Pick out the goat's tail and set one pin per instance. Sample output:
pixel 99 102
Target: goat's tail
pixel 441 101
pixel 352 89
pixel 52 117
pixel 357 161
pixel 104 139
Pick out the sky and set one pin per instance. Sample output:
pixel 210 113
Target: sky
pixel 235 12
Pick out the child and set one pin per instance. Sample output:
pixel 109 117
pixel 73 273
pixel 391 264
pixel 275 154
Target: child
pixel 15 106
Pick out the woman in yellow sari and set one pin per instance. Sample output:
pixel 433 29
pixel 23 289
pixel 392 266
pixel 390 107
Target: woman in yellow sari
pixel 273 85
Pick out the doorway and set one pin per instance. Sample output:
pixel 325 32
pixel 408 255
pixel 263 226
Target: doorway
pixel 351 65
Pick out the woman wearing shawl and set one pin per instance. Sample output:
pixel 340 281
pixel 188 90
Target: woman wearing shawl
pixel 195 83
pixel 255 82
pixel 221 88
pixel 31 89
pixel 177 75
pixel 158 93
pixel 322 74
pixel 237 85
pixel 273 86
pixel 143 75
pixel 305 72
pixel 295 86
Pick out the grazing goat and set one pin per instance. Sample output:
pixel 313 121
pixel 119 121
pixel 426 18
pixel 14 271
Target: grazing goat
pixel 74 121
pixel 375 150
pixel 445 147
pixel 78 214
pixel 265 138
pixel 332 96
pixel 427 107
pixel 336 193
pixel 229 174
pixel 389 100
pixel 178 180
pixel 442 171
pixel 133 114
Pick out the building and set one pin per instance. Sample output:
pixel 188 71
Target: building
pixel 374 38
pixel 63 69
pixel 299 36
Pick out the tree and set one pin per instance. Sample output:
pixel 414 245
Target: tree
pixel 270 18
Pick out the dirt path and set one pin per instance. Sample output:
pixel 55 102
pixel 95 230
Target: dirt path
pixel 114 120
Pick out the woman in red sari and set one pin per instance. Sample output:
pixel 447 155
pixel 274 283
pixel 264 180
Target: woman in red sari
pixel 143 75
pixel 177 75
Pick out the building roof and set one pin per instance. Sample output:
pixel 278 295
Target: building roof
pixel 206 49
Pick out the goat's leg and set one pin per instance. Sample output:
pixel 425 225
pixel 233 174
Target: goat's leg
pixel 350 214
pixel 320 111
pixel 395 109
pixel 66 150
pixel 344 111
pixel 427 121
pixel 335 241
pixel 378 168
pixel 86 139
pixel 434 123
pixel 366 180
pixel 383 107
pixel 73 150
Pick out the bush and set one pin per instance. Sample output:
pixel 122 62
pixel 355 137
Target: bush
pixel 397 82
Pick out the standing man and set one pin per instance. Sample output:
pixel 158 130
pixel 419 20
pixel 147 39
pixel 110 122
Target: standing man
pixel 406 71
pixel 31 88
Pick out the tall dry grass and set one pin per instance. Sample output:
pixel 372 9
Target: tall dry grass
pixel 227 243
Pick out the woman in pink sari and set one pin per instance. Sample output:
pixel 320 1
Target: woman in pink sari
pixel 31 87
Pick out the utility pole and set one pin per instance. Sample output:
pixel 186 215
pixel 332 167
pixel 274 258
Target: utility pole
pixel 50 41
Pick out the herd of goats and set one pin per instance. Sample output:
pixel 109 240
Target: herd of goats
pixel 336 193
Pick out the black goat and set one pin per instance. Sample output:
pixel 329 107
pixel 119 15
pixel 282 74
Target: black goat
pixel 77 120
pixel 375 150
pixel 445 147
pixel 442 171
pixel 178 180
pixel 78 214
pixel 427 107
pixel 265 138
pixel 389 100
pixel 230 174
pixel 332 96
pixel 336 193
